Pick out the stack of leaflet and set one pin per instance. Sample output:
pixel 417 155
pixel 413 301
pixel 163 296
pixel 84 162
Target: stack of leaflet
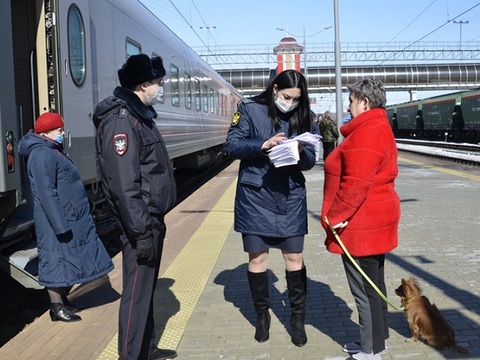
pixel 286 153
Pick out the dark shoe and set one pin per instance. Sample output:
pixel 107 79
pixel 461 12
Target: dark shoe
pixel 355 347
pixel 297 293
pixel 59 312
pixel 71 307
pixel 161 354
pixel 258 283
pixel 262 327
pixel 299 336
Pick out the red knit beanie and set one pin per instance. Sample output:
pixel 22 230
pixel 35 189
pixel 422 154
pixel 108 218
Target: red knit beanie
pixel 47 122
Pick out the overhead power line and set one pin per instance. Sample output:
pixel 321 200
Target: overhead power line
pixel 438 28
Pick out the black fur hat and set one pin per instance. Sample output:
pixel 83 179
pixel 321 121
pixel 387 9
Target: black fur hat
pixel 139 69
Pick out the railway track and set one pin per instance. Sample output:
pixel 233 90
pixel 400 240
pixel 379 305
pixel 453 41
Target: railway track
pixel 466 154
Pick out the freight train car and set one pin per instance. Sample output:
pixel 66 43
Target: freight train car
pixel 452 117
pixel 442 117
pixel 63 56
pixel 409 119
pixel 470 108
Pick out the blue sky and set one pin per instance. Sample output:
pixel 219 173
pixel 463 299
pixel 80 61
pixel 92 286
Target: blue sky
pixel 255 22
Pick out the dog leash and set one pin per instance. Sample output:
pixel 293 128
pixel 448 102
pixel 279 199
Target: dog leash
pixel 340 242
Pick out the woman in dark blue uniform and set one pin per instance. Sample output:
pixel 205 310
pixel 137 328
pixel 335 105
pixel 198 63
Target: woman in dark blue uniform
pixel 270 203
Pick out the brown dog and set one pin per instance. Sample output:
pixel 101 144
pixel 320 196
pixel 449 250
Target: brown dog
pixel 424 319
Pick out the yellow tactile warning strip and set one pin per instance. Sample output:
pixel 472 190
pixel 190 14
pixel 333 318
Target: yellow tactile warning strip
pixel 188 274
pixel 443 170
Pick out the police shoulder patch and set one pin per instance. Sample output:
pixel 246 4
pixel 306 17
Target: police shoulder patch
pixel 120 143
pixel 236 118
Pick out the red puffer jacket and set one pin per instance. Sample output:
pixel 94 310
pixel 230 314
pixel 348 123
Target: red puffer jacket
pixel 359 187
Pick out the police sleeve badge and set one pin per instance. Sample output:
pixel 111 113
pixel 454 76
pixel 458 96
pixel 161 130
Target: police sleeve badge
pixel 120 143
pixel 236 118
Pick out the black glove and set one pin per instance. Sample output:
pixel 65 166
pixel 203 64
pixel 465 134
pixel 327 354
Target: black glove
pixel 145 248
pixel 65 237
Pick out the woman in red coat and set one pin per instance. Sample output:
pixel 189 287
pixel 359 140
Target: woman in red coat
pixel 361 203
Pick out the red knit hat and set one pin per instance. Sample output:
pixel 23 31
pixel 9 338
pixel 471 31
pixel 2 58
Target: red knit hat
pixel 47 122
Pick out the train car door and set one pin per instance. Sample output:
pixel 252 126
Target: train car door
pixel 75 84
pixel 10 176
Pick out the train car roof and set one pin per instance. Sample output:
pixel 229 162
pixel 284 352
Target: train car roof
pixel 471 94
pixel 442 98
pixel 407 104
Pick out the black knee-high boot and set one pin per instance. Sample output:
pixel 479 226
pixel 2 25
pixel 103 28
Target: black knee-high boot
pixel 259 289
pixel 297 292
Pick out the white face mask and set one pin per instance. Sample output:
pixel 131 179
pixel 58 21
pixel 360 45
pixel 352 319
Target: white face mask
pixel 155 99
pixel 284 106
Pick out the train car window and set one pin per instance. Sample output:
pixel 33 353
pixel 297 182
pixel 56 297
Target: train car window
pixel 76 45
pixel 212 106
pixel 216 102
pixel 196 90
pixel 220 97
pixel 132 48
pixel 205 97
pixel 233 105
pixel 174 85
pixel 162 100
pixel 188 91
pixel 224 105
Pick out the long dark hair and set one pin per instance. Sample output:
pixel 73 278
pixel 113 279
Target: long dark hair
pixel 300 121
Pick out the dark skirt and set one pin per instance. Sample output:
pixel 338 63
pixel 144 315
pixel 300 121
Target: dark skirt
pixel 256 244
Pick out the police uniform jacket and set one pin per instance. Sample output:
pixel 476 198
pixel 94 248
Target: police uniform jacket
pixel 137 180
pixel 69 250
pixel 360 187
pixel 269 201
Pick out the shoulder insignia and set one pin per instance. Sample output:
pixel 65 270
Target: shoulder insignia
pixel 236 118
pixel 120 143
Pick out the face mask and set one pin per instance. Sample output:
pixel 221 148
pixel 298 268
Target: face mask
pixel 58 139
pixel 155 99
pixel 285 107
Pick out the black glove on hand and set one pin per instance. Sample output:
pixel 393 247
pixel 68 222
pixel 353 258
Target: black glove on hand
pixel 145 248
pixel 65 237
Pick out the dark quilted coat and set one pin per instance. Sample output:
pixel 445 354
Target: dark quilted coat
pixel 269 201
pixel 69 250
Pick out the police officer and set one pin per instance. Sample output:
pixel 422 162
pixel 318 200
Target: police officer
pixel 139 186
pixel 270 202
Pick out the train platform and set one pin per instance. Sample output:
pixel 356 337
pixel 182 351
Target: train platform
pixel 203 305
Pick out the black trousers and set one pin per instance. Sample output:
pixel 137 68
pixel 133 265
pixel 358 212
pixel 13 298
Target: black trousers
pixel 327 149
pixel 372 309
pixel 136 323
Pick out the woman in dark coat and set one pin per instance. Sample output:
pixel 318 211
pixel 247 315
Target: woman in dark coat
pixel 69 250
pixel 270 202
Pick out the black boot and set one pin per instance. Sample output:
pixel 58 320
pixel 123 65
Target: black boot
pixel 297 292
pixel 59 312
pixel 259 289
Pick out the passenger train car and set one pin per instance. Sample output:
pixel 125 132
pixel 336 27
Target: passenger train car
pixel 454 117
pixel 63 56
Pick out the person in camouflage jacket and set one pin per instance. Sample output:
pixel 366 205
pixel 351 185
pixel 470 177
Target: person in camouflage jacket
pixel 329 132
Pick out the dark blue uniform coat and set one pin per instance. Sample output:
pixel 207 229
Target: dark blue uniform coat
pixel 69 250
pixel 137 179
pixel 139 185
pixel 269 201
